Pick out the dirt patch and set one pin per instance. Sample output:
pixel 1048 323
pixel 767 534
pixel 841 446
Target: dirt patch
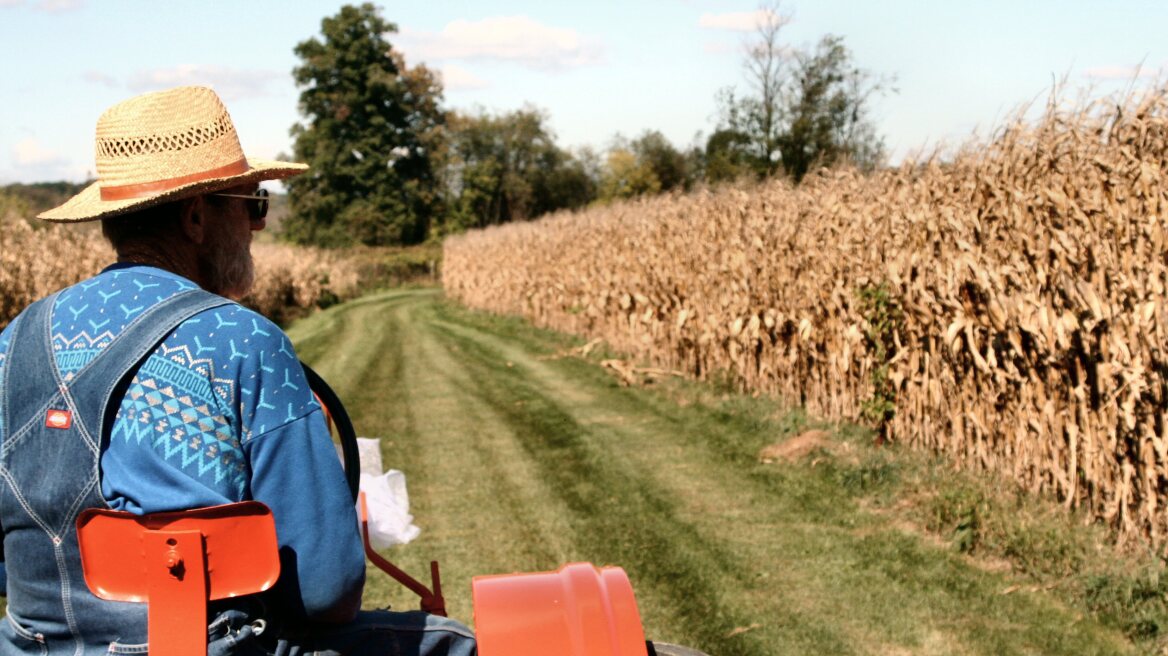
pixel 796 448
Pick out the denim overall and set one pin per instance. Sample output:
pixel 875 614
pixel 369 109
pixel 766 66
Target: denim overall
pixel 49 466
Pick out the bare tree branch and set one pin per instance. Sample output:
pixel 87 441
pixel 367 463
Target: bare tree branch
pixel 767 75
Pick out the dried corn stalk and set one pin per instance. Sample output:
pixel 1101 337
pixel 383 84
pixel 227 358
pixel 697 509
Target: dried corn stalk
pixel 1031 271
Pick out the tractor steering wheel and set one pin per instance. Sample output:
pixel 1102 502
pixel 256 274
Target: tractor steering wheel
pixel 350 457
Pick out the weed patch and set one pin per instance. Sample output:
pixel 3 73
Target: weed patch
pixel 1135 602
pixel 883 316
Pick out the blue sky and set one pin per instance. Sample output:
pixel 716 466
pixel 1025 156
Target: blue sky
pixel 597 68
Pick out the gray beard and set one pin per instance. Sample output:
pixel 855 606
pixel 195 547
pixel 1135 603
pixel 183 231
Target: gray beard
pixel 228 268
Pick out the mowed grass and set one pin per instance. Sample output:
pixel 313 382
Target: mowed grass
pixel 521 458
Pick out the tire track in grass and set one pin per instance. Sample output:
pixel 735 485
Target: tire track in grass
pixel 650 446
pixel 671 461
pixel 485 480
pixel 478 506
pixel 620 516
pixel 519 463
pixel 847 571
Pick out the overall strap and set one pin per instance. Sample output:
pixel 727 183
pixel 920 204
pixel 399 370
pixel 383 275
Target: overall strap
pixel 87 394
pixel 26 344
pixel 93 386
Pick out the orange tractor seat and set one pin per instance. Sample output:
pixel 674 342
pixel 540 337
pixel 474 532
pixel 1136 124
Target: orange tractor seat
pixel 186 559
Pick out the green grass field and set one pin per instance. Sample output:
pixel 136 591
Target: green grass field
pixel 520 458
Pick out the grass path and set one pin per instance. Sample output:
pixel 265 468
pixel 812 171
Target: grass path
pixel 518 460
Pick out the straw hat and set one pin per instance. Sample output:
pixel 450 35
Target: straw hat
pixel 163 146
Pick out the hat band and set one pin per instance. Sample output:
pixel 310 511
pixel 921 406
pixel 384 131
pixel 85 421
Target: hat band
pixel 141 190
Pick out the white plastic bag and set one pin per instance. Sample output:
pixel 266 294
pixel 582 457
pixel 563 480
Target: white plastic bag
pixel 386 498
pixel 388 504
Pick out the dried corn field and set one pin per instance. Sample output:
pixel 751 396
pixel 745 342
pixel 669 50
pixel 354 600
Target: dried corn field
pixel 291 280
pixel 36 261
pixel 1028 274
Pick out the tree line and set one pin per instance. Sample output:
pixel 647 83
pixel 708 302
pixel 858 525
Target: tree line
pixel 391 165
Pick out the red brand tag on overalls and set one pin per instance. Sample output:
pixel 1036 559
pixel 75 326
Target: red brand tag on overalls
pixel 59 419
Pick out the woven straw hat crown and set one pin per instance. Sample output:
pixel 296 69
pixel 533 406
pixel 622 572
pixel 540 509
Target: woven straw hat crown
pixel 164 146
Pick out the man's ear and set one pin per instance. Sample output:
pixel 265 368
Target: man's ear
pixel 193 218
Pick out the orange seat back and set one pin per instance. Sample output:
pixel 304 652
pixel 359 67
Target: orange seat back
pixel 178 561
pixel 578 610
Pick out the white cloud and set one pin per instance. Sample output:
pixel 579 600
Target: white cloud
pixel 29 152
pixel 1121 73
pixel 59 6
pixel 31 161
pixel 517 39
pixel 736 21
pixel 100 78
pixel 229 83
pixel 457 78
pixel 50 6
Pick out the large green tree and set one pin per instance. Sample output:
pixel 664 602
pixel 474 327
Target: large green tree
pixel 627 176
pixel 667 162
pixel 728 156
pixel 370 128
pixel 507 167
pixel 649 164
pixel 827 114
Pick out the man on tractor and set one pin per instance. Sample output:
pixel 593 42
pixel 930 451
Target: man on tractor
pixel 146 389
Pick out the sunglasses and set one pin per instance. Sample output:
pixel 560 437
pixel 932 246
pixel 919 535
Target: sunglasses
pixel 257 209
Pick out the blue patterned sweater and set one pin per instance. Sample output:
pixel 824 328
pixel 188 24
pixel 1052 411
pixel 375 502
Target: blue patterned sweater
pixel 220 412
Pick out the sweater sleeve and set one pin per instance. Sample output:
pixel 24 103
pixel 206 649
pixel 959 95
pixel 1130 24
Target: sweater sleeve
pixel 296 473
pixel 292 466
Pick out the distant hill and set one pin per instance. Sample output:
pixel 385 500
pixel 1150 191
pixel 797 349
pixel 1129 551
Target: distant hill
pixel 32 199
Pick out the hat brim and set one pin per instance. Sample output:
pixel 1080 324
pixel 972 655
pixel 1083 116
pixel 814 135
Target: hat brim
pixel 89 206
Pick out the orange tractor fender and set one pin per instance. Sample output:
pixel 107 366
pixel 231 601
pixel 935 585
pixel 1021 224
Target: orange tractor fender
pixel 577 610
